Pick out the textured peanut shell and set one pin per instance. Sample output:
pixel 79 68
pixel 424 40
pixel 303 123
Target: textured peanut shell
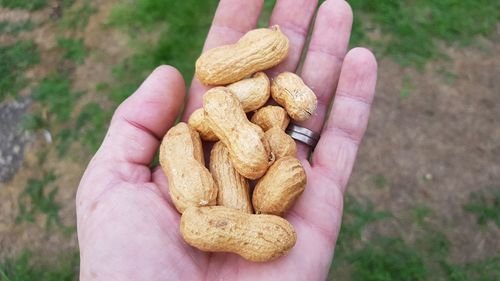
pixel 200 124
pixel 181 158
pixel 289 91
pixel 281 143
pixel 257 50
pixel 257 238
pixel 278 189
pixel 252 92
pixel 232 187
pixel 248 149
pixel 271 116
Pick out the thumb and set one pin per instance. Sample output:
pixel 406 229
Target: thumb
pixel 139 123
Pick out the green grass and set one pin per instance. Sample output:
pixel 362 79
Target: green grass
pixel 179 40
pixel 407 87
pixel 485 206
pixel 391 258
pixel 14 28
pixel 91 124
pixel 38 197
pixel 265 15
pixel 420 212
pixel 56 112
pixel 448 76
pixel 77 16
pixel 24 268
pixel 380 181
pixel 24 4
pixel 357 216
pixel 387 259
pixel 366 255
pixel 15 59
pixel 413 30
pixel 54 93
pixel 483 270
pixel 57 100
pixel 73 49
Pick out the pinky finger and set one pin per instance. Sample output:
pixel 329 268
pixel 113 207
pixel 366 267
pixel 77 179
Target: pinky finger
pixel 336 151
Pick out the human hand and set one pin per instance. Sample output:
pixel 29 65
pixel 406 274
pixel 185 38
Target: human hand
pixel 128 228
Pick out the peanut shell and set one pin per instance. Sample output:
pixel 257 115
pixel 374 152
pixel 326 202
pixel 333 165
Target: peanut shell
pixel 289 91
pixel 252 92
pixel 257 50
pixel 248 149
pixel 281 143
pixel 197 121
pixel 181 158
pixel 271 116
pixel 232 187
pixel 258 238
pixel 278 189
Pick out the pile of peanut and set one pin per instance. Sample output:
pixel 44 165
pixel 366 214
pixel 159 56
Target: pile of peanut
pixel 218 213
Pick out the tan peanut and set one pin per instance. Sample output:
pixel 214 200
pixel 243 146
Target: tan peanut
pixel 199 123
pixel 289 91
pixel 281 143
pixel 271 116
pixel 248 149
pixel 232 187
pixel 257 50
pixel 257 238
pixel 278 189
pixel 252 92
pixel 181 158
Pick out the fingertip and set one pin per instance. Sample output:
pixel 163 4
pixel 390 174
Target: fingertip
pixel 164 85
pixel 168 75
pixel 339 8
pixel 168 71
pixel 362 60
pixel 141 121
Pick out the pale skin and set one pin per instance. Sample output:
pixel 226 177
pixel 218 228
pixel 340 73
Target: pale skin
pixel 128 228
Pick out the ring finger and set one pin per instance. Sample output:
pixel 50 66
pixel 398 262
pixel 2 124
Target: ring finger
pixel 323 61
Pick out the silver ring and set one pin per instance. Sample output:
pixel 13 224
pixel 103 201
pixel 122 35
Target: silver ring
pixel 303 135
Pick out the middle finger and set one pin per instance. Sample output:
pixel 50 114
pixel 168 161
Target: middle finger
pixel 323 61
pixel 294 18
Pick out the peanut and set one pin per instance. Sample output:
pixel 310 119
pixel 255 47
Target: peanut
pixel 232 187
pixel 289 91
pixel 257 238
pixel 281 144
pixel 181 158
pixel 252 92
pixel 271 116
pixel 257 50
pixel 197 121
pixel 248 149
pixel 278 189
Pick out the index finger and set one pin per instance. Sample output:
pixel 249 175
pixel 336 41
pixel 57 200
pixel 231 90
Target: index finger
pixel 232 19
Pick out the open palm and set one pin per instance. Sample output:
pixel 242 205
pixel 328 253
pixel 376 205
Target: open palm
pixel 128 228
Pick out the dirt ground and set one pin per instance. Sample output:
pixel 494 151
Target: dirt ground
pixel 436 145
pixel 433 143
pixel 106 47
